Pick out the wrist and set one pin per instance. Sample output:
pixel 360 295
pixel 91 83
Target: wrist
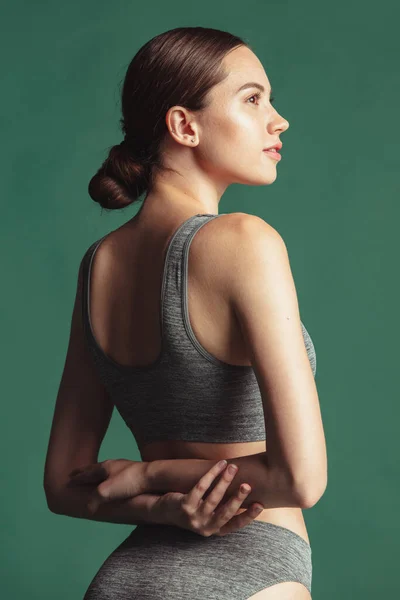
pixel 159 513
pixel 145 509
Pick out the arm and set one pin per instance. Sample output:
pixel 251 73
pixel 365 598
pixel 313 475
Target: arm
pixel 271 487
pixel 72 502
pixel 145 507
pixel 179 475
pixel 263 296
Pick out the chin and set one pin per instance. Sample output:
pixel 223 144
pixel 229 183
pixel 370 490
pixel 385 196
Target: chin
pixel 265 179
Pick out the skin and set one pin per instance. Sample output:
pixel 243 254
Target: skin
pixel 229 135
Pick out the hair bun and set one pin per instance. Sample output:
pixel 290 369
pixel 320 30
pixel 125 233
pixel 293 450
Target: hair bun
pixel 120 180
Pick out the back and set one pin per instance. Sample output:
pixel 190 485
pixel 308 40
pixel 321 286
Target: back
pixel 187 393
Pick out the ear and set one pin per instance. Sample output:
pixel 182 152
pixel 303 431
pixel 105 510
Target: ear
pixel 182 126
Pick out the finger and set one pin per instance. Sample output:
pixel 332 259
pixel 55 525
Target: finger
pixel 239 521
pixel 87 479
pixel 94 503
pixel 228 510
pixel 196 494
pixel 75 472
pixel 119 486
pixel 82 469
pixel 216 495
pixel 93 474
pixel 92 468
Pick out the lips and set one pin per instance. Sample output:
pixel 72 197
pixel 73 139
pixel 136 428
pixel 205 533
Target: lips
pixel 273 154
pixel 276 146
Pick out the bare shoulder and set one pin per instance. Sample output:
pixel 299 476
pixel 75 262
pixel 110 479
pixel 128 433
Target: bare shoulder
pixel 254 228
pixel 233 242
pixel 243 228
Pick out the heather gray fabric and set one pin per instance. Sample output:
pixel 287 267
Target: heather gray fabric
pixel 161 562
pixel 186 394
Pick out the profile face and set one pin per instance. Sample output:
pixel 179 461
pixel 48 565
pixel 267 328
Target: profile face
pixel 239 124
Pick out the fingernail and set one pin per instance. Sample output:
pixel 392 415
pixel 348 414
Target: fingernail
pixel 222 463
pixel 258 509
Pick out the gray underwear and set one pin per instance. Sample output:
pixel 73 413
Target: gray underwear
pixel 162 562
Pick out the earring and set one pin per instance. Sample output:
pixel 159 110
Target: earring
pixel 193 140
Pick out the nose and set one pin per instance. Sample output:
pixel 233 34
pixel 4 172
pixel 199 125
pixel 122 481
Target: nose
pixel 279 123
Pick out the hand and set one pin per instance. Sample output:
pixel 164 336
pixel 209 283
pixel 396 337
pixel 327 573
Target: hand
pixel 205 517
pixel 115 479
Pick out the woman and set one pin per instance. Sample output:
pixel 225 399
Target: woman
pixel 201 352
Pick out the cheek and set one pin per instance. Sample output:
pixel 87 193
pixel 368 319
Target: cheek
pixel 245 136
pixel 235 137
pixel 232 141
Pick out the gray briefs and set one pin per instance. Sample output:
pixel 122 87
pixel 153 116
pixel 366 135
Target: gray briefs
pixel 163 562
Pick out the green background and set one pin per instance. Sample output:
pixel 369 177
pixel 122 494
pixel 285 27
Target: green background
pixel 334 71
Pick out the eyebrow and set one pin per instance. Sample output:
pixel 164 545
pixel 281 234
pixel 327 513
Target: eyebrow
pixel 251 84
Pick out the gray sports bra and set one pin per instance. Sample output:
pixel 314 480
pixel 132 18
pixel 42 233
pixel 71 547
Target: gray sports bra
pixel 186 393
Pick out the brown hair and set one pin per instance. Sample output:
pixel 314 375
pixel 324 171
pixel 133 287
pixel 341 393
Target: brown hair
pixel 178 67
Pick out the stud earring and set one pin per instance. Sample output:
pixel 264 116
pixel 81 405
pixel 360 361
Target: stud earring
pixel 193 140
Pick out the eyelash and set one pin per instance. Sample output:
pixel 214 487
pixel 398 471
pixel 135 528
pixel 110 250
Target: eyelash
pixel 258 95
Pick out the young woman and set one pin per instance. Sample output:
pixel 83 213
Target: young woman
pixel 187 321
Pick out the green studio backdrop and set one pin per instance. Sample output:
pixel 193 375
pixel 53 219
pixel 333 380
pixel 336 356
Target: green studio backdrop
pixel 334 71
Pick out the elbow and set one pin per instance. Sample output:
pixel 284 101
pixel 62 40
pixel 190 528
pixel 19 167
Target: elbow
pixel 308 495
pixel 53 506
pixel 52 501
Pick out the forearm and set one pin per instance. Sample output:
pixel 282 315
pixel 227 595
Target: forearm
pixel 72 502
pixel 272 488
